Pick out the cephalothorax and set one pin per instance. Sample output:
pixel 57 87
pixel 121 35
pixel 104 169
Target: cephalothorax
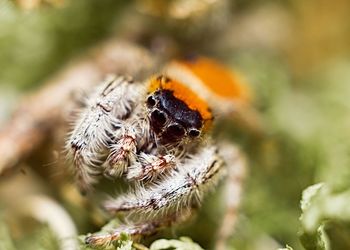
pixel 156 133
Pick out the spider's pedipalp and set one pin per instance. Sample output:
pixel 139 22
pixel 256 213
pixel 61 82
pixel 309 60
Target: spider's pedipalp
pixel 150 167
pixel 122 154
pixel 102 115
pixel 179 189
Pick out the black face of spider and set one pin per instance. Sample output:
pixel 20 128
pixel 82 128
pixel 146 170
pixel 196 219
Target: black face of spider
pixel 171 119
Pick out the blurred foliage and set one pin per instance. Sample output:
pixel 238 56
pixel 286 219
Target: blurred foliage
pixel 325 218
pixel 39 41
pixel 41 238
pixel 294 54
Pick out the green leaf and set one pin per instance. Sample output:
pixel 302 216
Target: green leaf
pixel 323 211
pixel 183 243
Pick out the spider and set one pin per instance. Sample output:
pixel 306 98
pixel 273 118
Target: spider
pixel 156 134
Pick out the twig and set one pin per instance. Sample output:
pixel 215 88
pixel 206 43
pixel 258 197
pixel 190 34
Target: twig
pixel 37 114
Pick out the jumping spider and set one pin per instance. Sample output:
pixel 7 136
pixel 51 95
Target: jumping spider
pixel 156 134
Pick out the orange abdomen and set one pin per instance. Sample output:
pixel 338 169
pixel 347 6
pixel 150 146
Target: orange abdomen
pixel 219 79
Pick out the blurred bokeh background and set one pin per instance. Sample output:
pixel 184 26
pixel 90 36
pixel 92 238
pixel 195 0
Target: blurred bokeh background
pixel 294 54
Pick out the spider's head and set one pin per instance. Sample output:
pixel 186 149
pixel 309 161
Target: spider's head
pixel 175 112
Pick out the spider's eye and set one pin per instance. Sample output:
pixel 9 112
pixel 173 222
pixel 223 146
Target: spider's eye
pixel 194 132
pixel 158 117
pixel 176 130
pixel 151 102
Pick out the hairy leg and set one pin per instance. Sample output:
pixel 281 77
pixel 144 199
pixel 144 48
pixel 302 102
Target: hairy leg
pixel 103 113
pixel 136 231
pixel 188 182
pixel 236 165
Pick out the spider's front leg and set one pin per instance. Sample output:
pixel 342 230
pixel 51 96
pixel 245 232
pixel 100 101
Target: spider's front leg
pixel 187 182
pixel 104 113
pixel 136 231
pixel 168 200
